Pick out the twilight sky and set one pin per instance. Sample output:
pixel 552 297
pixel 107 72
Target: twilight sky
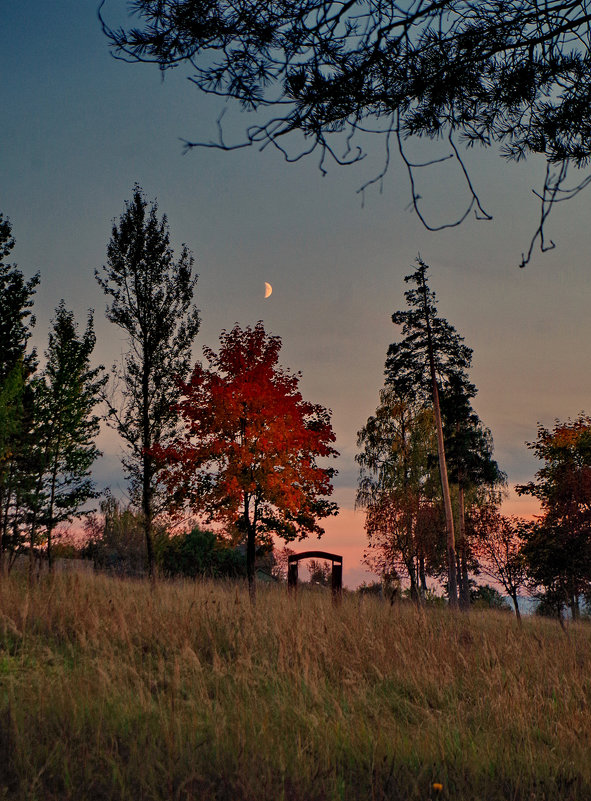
pixel 79 128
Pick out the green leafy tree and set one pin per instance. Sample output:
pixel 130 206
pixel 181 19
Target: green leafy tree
pixel 488 597
pixel 398 488
pixel 152 303
pixel 65 427
pixel 200 553
pixel 508 74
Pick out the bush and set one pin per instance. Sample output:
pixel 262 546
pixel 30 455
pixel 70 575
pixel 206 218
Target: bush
pixel 484 596
pixel 200 553
pixel 116 543
pixel 371 588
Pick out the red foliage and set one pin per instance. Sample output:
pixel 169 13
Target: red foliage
pixel 248 455
pixel 563 484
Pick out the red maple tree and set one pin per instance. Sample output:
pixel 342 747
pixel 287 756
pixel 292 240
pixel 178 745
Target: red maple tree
pixel 248 455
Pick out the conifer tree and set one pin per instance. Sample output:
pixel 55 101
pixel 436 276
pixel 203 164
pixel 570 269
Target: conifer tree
pixel 152 302
pixel 430 353
pixel 65 427
pixel 17 364
pixel 471 467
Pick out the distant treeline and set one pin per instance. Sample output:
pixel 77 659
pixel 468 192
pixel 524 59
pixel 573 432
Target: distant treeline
pixel 235 442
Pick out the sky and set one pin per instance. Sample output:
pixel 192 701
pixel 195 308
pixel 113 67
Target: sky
pixel 79 128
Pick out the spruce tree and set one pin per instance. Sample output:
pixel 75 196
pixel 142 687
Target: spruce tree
pixel 471 467
pixel 17 364
pixel 66 427
pixel 151 297
pixel 430 353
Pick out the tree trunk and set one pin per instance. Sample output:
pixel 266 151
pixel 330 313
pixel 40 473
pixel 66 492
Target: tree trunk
pixel 5 511
pixel 250 564
pixel 250 528
pixel 32 537
pixel 449 520
pixel 2 534
pixel 414 590
pixel 147 467
pixel 516 605
pixel 464 580
pixel 50 515
pixel 147 517
pixel 422 575
pixel 452 587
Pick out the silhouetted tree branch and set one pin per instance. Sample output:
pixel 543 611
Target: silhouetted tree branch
pixel 514 74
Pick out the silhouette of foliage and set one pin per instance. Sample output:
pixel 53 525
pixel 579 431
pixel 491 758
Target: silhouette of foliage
pixel 558 546
pixel 151 298
pixel 513 74
pixel 199 553
pixel 17 365
pixel 65 427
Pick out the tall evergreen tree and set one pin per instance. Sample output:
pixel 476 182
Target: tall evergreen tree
pixel 17 363
pixel 430 353
pixel 152 302
pixel 66 427
pixel 469 449
pixel 16 301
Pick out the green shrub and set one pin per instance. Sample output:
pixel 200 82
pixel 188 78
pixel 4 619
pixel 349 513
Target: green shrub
pixel 200 553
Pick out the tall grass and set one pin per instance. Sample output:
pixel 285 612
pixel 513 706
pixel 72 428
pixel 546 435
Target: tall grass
pixel 112 690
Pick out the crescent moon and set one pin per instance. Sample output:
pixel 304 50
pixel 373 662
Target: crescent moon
pixel 268 289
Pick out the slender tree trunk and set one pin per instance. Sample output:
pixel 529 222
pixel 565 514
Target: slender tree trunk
pixel 422 575
pixel 50 525
pixel 2 531
pixel 449 520
pixel 464 581
pixel 147 515
pixel 250 551
pixel 411 564
pixel 465 576
pixel 414 590
pixel 147 468
pixel 32 538
pixel 5 511
pixel 516 605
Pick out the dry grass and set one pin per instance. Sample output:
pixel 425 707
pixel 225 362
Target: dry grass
pixel 111 690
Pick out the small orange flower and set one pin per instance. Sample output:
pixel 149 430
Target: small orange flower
pixel 437 786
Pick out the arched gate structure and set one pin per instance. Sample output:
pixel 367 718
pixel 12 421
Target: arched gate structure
pixel 337 569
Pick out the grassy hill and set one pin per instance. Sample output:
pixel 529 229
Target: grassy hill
pixel 111 690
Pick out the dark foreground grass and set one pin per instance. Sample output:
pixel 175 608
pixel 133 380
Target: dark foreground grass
pixel 111 690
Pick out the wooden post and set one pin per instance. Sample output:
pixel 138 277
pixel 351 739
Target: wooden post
pixel 292 576
pixel 337 582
